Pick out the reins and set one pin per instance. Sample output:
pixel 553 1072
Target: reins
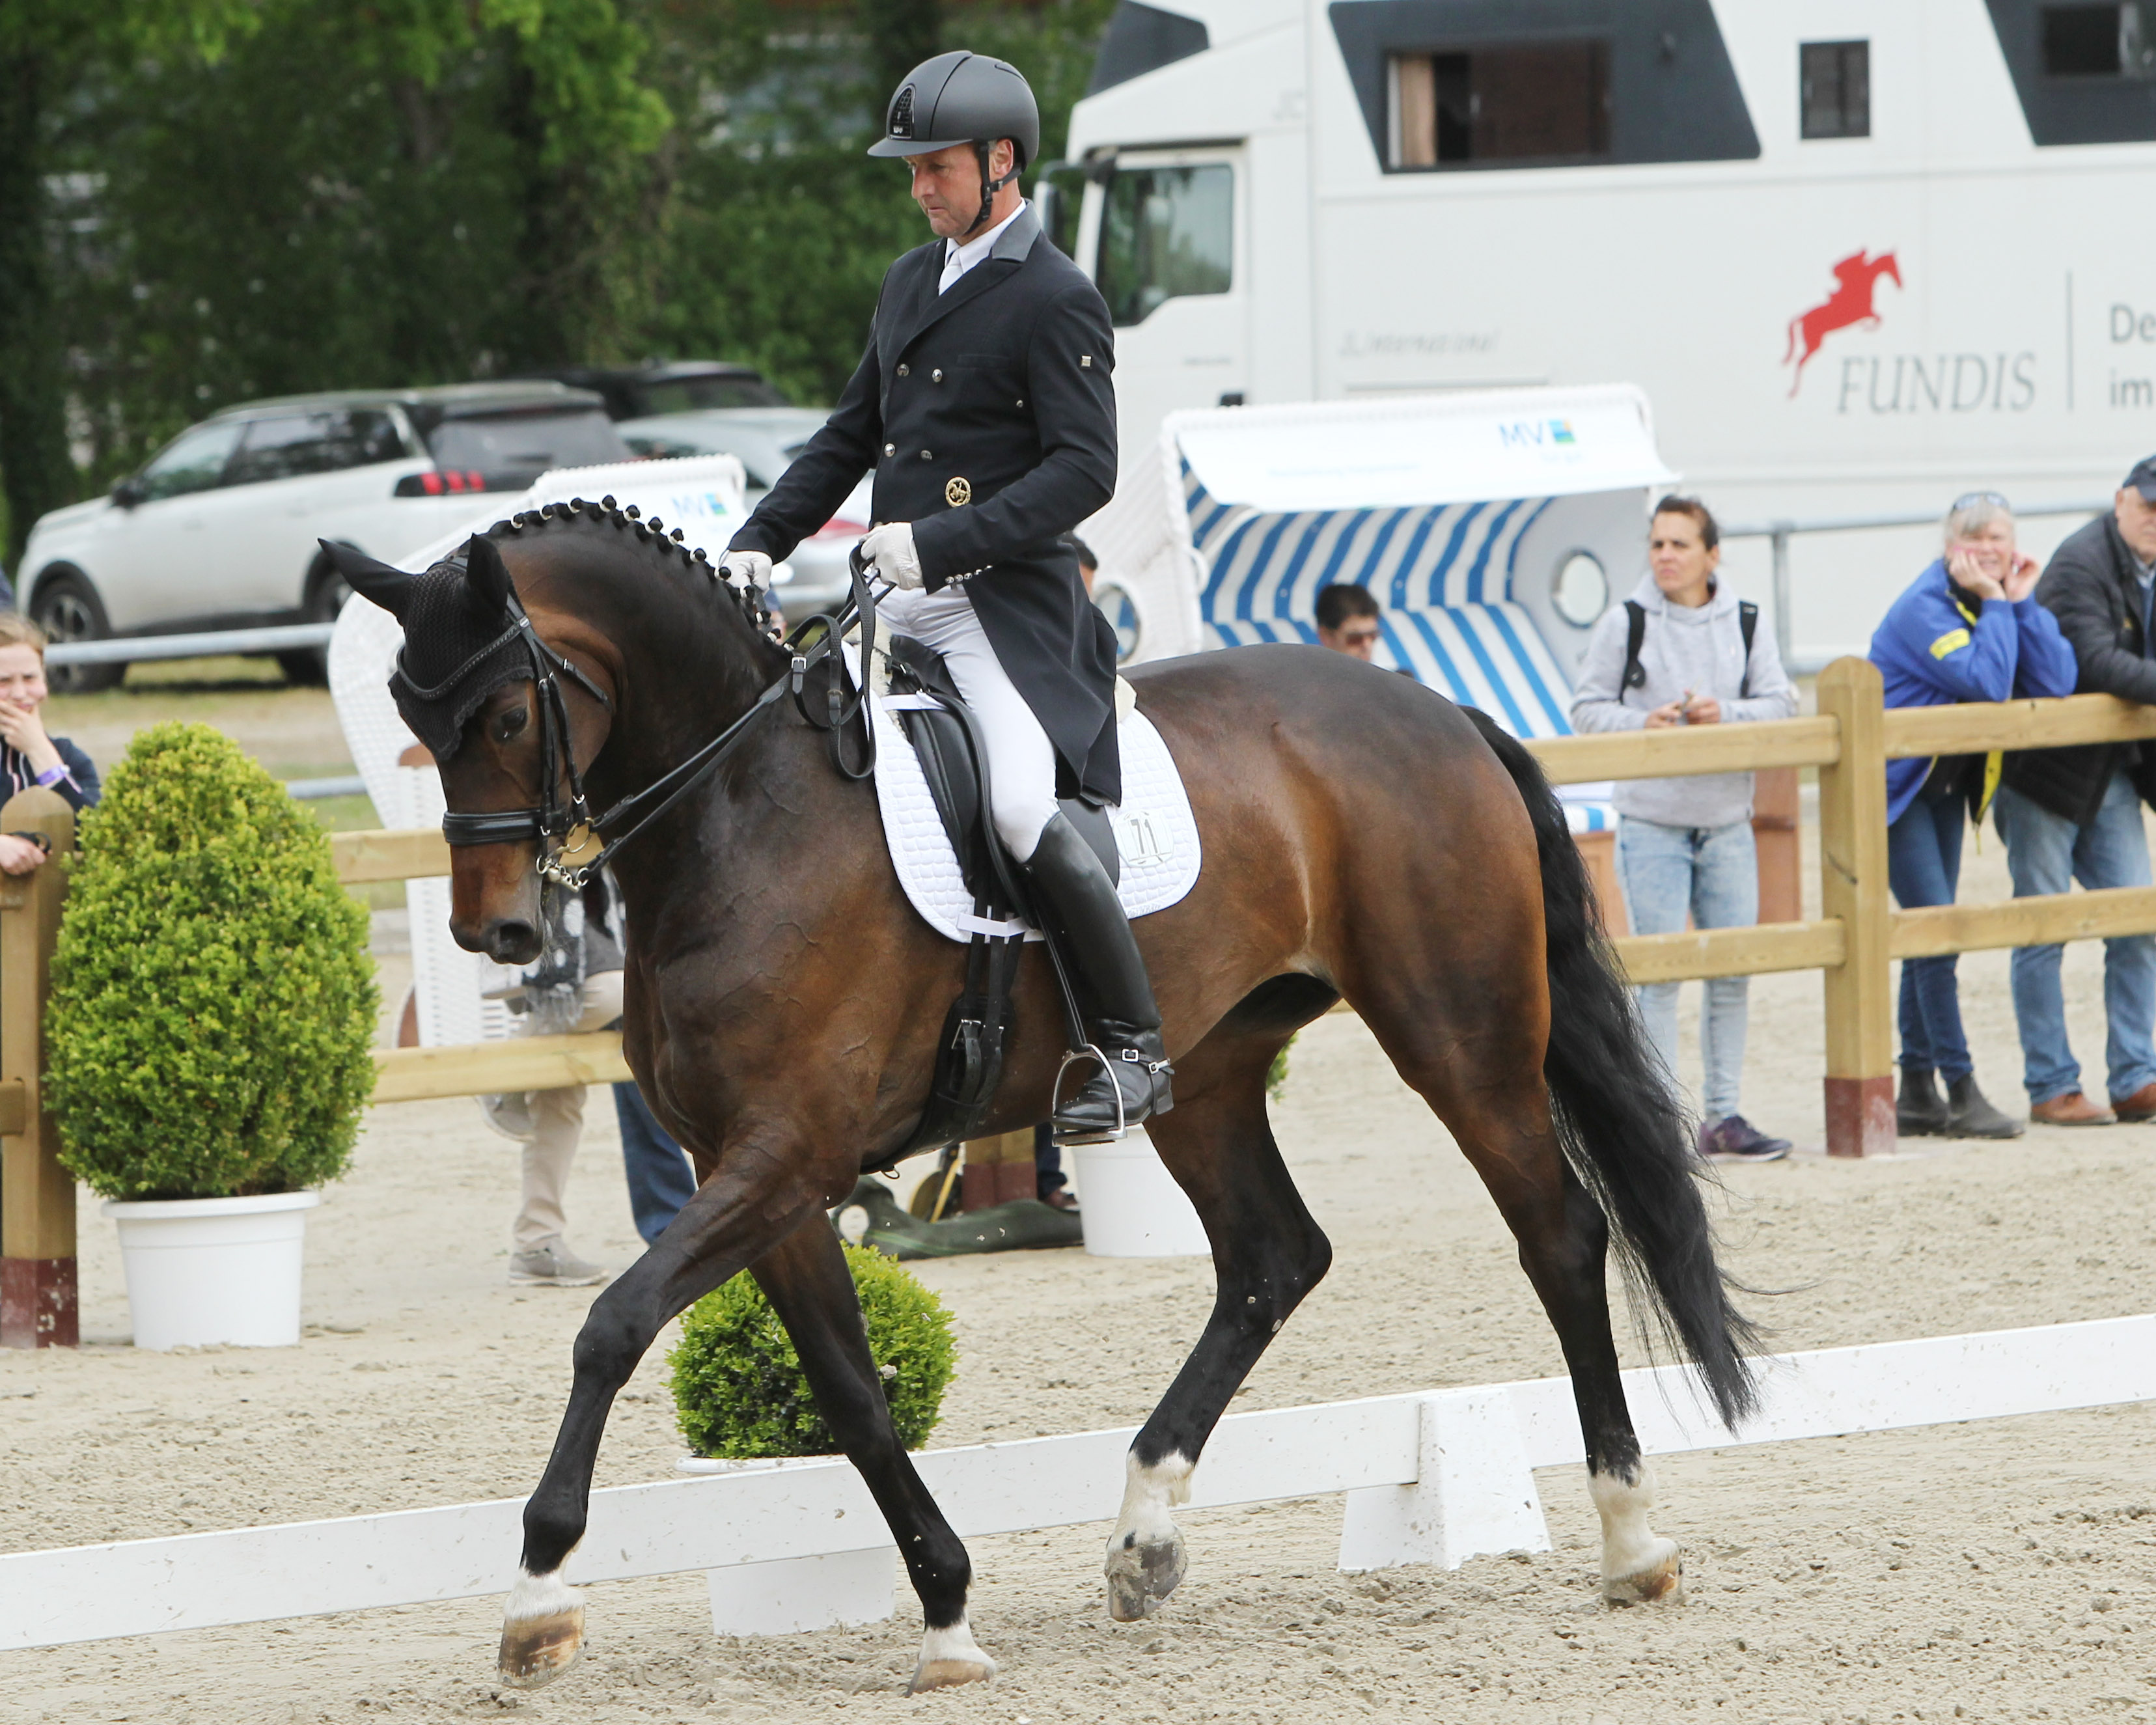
pixel 554 819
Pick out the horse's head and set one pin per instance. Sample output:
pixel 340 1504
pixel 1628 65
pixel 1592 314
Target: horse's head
pixel 511 719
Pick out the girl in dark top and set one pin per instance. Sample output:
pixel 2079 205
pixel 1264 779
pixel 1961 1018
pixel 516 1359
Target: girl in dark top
pixel 27 756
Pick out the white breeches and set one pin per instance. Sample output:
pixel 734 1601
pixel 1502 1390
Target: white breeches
pixel 1021 759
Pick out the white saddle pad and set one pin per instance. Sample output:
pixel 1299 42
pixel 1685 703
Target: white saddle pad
pixel 1155 831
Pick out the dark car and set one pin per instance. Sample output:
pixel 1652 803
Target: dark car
pixel 670 386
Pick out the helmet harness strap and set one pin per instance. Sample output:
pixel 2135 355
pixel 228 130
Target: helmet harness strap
pixel 989 188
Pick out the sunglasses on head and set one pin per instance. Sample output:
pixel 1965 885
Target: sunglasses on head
pixel 1969 500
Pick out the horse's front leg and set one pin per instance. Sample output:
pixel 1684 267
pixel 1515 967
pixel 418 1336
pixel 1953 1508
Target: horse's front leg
pixel 757 1201
pixel 809 1286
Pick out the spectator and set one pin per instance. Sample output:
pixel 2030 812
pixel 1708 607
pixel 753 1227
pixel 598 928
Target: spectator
pixel 28 755
pixel 1348 619
pixel 1089 566
pixel 1966 630
pixel 2074 814
pixel 1684 650
pixel 660 1178
pixel 576 986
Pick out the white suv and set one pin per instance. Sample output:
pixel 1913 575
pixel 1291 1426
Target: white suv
pixel 219 530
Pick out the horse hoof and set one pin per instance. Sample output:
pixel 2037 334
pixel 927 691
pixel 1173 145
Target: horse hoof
pixel 1141 1575
pixel 1661 1578
pixel 542 1633
pixel 949 1657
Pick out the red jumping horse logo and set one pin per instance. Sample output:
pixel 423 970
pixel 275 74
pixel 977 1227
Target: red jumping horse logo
pixel 1850 304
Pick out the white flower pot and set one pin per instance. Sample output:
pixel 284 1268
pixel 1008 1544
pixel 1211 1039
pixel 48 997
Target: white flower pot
pixel 206 1270
pixel 1129 1204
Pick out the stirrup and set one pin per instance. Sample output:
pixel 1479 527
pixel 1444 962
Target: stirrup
pixel 1090 1051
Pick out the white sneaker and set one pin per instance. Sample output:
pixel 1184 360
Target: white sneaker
pixel 551 1264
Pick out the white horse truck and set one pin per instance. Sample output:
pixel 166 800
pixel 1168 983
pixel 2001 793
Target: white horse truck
pixel 1862 258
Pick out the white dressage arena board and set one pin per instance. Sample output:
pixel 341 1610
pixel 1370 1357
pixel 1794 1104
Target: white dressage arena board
pixel 1156 833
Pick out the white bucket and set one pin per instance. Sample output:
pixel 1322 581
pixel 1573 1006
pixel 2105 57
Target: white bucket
pixel 206 1270
pixel 1129 1204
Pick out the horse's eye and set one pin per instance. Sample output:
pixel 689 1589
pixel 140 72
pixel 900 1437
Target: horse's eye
pixel 509 722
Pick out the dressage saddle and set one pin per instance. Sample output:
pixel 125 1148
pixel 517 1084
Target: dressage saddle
pixel 946 739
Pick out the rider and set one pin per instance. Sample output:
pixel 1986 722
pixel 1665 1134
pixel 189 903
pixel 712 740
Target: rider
pixel 984 405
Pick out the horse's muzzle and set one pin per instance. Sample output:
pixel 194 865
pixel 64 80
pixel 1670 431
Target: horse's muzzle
pixel 505 939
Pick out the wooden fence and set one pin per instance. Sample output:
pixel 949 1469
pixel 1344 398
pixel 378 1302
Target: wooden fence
pixel 1854 941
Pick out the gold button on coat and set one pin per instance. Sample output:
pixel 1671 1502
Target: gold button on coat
pixel 958 492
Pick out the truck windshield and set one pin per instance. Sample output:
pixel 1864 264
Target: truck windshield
pixel 1165 232
pixel 503 444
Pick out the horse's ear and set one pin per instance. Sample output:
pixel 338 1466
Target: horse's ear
pixel 487 573
pixel 388 588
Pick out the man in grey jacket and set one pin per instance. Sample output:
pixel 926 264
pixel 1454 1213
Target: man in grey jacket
pixel 1684 650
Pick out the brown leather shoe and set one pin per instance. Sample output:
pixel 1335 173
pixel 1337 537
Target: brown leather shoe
pixel 2075 1109
pixel 2140 1106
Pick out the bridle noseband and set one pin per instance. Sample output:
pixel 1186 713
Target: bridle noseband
pixel 555 818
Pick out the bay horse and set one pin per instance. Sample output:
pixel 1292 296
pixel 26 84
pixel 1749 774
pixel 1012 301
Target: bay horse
pixel 1363 838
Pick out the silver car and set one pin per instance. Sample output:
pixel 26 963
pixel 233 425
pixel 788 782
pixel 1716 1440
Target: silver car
pixel 766 439
pixel 219 531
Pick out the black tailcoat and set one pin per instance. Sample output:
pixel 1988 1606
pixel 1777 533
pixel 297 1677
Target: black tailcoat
pixel 988 414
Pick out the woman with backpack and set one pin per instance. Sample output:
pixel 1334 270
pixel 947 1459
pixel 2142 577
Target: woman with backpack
pixel 1684 650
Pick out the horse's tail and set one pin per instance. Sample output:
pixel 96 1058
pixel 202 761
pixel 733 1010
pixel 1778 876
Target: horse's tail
pixel 1622 1128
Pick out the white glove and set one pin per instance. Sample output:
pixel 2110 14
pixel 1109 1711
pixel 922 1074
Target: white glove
pixel 890 548
pixel 752 567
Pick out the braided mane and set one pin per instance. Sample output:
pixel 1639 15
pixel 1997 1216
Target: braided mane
pixel 667 550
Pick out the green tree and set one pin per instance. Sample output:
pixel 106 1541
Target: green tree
pixel 49 51
pixel 410 193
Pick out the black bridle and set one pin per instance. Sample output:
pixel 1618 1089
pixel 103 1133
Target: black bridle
pixel 556 818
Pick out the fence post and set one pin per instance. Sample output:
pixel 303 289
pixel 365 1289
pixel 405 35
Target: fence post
pixel 1860 1046
pixel 37 1297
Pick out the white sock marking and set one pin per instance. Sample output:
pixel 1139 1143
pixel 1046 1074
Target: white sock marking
pixel 1150 1498
pixel 1629 1544
pixel 541 1596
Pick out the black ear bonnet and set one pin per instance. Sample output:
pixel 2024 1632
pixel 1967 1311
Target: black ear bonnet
pixel 460 645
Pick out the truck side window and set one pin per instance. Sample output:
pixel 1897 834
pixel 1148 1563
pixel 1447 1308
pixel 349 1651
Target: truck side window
pixel 1165 232
pixel 1532 102
pixel 1834 89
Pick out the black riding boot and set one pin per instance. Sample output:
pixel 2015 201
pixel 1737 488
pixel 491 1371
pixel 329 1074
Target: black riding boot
pixel 1075 893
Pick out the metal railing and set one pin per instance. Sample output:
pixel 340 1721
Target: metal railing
pixel 214 644
pixel 1780 533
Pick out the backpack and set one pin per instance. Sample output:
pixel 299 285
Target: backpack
pixel 1636 632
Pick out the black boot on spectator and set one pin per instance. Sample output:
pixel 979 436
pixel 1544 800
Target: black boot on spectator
pixel 1968 1116
pixel 1922 1111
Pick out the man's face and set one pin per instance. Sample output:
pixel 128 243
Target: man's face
pixel 946 185
pixel 1357 637
pixel 2136 523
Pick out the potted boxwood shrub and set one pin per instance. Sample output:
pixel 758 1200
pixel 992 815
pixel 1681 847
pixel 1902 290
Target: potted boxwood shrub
pixel 738 1388
pixel 208 1035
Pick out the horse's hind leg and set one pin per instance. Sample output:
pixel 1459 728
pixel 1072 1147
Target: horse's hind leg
pixel 809 1286
pixel 1268 1253
pixel 1491 1095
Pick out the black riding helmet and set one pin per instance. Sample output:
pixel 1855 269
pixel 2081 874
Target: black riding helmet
pixel 963 97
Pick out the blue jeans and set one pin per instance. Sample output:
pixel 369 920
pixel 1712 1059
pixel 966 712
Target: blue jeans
pixel 2044 854
pixel 660 1179
pixel 1711 873
pixel 1923 867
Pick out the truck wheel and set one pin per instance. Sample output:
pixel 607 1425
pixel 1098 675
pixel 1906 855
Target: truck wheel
pixel 326 593
pixel 66 607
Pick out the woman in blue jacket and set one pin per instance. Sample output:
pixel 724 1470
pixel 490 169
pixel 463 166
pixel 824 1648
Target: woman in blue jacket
pixel 1966 630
